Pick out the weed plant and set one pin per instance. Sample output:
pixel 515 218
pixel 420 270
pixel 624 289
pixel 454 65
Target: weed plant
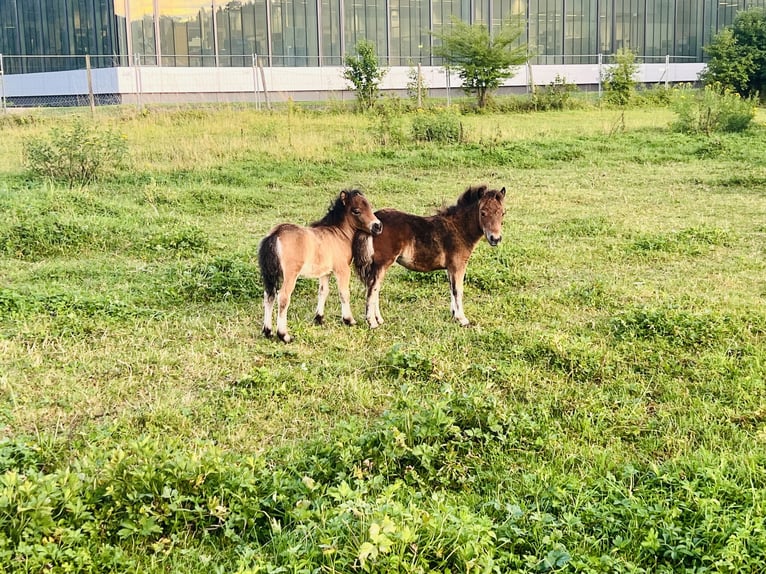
pixel 606 411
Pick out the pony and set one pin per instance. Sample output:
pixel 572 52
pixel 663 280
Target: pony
pixel 442 241
pixel 290 251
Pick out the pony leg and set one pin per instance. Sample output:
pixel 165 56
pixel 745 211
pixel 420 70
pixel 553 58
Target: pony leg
pixel 324 290
pixel 374 317
pixel 268 309
pixel 456 277
pixel 343 277
pixel 284 302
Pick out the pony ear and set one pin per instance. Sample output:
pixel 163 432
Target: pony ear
pixel 343 196
pixel 502 191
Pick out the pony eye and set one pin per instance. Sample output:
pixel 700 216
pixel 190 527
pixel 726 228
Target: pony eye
pixel 356 211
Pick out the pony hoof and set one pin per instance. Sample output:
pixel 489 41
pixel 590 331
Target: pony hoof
pixel 284 337
pixel 318 319
pixel 350 321
pixel 373 324
pixel 266 332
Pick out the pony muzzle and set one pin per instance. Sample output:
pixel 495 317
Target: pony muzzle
pixel 376 228
pixel 493 240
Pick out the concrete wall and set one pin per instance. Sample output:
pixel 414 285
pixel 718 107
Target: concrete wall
pixel 227 84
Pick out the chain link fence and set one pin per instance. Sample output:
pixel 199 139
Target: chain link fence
pixel 93 81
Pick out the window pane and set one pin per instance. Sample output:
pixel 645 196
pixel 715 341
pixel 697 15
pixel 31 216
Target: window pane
pixel 366 20
pixel 410 40
pixel 659 28
pixel 294 33
pixel 580 32
pixel 331 46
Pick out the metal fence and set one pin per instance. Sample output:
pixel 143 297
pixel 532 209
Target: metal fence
pixel 77 81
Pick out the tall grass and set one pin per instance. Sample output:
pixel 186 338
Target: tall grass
pixel 605 413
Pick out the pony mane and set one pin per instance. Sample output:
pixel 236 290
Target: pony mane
pixel 469 197
pixel 337 210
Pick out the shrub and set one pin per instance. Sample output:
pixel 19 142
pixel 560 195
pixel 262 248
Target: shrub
pixel 619 79
pixel 437 127
pixel 363 71
pixel 712 109
pixel 555 96
pixel 77 155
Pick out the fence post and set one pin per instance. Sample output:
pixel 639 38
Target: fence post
pixel 265 90
pixel 255 82
pixel 91 99
pixel 2 85
pixel 667 70
pixel 138 81
pixel 600 64
pixel 447 74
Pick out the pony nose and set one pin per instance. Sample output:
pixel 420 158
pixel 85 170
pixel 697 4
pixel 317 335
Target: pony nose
pixel 377 228
pixel 494 239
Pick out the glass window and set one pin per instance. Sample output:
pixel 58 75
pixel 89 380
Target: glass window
pixel 142 31
pixel 546 31
pixel 443 13
pixel 688 29
pixel 366 20
pixel 186 33
pixel 660 28
pixel 332 51
pixel 410 38
pixel 629 25
pixel 294 38
pixel 580 32
pixel 254 29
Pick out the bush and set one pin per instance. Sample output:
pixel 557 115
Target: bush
pixel 555 96
pixel 364 72
pixel 78 155
pixel 619 80
pixel 437 127
pixel 712 110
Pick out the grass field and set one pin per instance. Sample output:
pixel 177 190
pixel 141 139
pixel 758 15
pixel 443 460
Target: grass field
pixel 606 411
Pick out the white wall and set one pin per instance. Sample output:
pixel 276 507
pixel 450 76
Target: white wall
pixel 298 83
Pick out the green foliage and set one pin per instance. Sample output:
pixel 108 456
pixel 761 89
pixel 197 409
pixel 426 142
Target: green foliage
pixel 604 413
pixel 738 55
pixel 555 96
pixel 364 73
pixel 181 241
pixel 676 326
pixel 38 237
pixel 77 155
pixel 711 110
pixel 437 126
pixel 619 79
pixel 483 60
pixel 400 363
pixel 417 87
pixel 219 279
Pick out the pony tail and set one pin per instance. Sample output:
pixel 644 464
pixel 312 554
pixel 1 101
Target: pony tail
pixel 361 253
pixel 271 269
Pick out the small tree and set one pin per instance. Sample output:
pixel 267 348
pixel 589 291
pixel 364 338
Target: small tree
pixel 620 78
pixel 482 59
pixel 738 55
pixel 364 72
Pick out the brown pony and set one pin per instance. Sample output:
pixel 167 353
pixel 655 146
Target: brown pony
pixel 290 251
pixel 442 241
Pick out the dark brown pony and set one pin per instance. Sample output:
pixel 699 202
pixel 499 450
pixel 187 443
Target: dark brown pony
pixel 442 241
pixel 290 251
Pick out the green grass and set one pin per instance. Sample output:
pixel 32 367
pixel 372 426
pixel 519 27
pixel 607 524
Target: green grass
pixel 606 411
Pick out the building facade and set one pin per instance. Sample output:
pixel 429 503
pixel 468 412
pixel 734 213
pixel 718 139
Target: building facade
pixel 39 35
